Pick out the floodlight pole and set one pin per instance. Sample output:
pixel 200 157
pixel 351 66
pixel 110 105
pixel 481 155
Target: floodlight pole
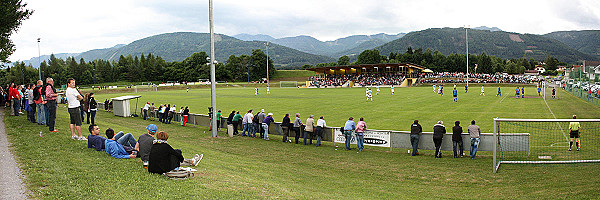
pixel 39 60
pixel 267 44
pixel 467 41
pixel 213 92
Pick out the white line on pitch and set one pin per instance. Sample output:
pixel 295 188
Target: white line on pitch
pixel 561 129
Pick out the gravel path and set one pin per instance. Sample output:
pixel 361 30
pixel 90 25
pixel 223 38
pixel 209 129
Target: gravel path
pixel 10 175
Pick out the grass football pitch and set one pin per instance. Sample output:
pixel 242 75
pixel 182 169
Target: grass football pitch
pixel 244 168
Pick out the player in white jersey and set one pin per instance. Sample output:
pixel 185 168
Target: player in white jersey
pixel 482 91
pixel 268 91
pixel 434 88
pixel 392 89
pixel 378 90
pixel 255 91
pixel 369 94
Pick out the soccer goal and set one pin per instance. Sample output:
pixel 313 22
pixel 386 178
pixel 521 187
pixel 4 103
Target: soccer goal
pixel 288 84
pixel 547 91
pixel 545 141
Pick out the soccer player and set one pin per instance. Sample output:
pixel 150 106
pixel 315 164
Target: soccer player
pixel 574 133
pixel 268 90
pixel 517 92
pixel 499 92
pixel 442 90
pixel 482 91
pixel 392 89
pixel 466 88
pixel 187 89
pixel 255 91
pixel 369 94
pixel 554 93
pixel 523 92
pixel 378 90
pixel 434 88
pixel 455 94
pixel 539 90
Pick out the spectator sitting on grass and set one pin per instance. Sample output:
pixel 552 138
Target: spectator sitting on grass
pixel 113 148
pixel 94 139
pixel 145 142
pixel 163 158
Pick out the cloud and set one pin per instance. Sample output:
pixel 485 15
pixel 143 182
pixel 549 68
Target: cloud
pixel 77 26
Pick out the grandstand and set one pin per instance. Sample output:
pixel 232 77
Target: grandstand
pixel 386 74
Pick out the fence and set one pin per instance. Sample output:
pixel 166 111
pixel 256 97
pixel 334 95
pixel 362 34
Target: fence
pixel 585 95
pixel 380 138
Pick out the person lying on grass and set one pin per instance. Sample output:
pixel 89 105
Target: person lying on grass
pixel 94 139
pixel 163 158
pixel 114 149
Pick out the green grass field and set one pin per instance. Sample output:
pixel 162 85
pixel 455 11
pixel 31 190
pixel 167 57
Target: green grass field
pixel 386 112
pixel 57 167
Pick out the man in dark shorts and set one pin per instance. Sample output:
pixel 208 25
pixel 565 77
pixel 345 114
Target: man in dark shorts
pixel 73 97
pixel 574 133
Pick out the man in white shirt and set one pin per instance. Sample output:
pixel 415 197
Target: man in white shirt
pixel 321 124
pixel 247 123
pixel 146 107
pixel 73 97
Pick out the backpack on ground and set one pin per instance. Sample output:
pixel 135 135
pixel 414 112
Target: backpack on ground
pixel 179 174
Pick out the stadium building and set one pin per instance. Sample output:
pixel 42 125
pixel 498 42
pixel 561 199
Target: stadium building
pixel 385 74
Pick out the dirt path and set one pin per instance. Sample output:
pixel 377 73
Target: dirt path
pixel 10 175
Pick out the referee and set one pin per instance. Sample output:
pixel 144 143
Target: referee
pixel 574 133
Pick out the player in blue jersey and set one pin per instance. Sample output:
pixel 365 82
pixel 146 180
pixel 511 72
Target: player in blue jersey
pixel 455 94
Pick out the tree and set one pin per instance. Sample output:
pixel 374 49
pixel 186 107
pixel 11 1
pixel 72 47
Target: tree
pixel 12 14
pixel 344 60
pixel 369 57
pixel 551 63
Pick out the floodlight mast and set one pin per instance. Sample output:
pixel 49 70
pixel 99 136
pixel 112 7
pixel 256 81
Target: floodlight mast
pixel 213 92
pixel 267 44
pixel 467 41
pixel 39 60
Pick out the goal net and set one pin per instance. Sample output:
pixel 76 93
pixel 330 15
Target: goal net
pixel 549 91
pixel 288 84
pixel 545 141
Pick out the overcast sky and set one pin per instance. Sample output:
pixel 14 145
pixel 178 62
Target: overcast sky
pixel 73 26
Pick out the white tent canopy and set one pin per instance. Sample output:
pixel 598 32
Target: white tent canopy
pixel 121 105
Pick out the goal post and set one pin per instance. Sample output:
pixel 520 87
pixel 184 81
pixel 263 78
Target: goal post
pixel 288 84
pixel 545 141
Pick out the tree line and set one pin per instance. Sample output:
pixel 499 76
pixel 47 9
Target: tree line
pixel 146 68
pixel 439 62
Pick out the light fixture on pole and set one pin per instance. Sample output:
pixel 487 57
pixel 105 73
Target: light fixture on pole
pixel 267 44
pixel 467 41
pixel 39 60
pixel 213 92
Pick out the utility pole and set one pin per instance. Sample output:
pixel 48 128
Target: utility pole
pixel 213 92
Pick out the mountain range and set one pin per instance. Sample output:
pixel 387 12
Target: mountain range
pixel 498 43
pixel 290 52
pixel 335 48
